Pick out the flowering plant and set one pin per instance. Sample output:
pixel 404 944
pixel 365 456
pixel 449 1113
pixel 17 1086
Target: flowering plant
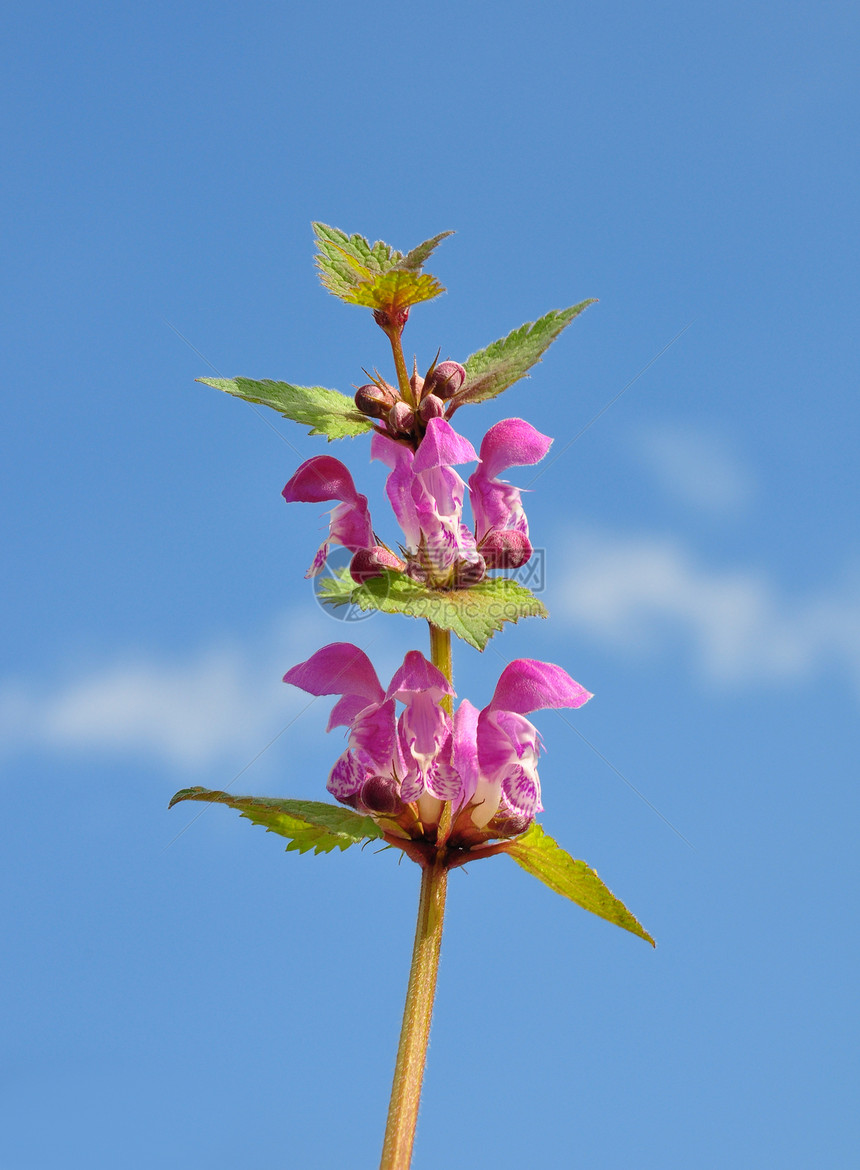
pixel 443 786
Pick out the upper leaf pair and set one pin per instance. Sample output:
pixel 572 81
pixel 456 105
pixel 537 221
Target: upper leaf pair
pixel 389 282
pixel 488 373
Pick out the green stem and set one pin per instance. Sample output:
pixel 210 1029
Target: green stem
pixel 440 656
pixel 415 1031
pixel 403 382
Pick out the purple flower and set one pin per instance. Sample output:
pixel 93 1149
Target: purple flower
pixel 389 762
pixel 484 762
pixel 496 750
pixel 325 478
pixel 426 494
pixel 501 528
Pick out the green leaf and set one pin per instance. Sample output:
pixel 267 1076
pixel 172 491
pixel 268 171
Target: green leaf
pixel 326 412
pixel 395 290
pixel 473 614
pixel 415 259
pixel 345 260
pixel 308 824
pixel 352 268
pixel 492 370
pixel 540 856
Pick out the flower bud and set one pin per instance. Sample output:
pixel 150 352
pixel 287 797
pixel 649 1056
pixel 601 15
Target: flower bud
pixel 401 419
pixel 416 382
pixel 391 322
pixel 446 380
pixel 375 400
pixel 415 571
pixel 431 407
pixel 469 572
pixel 510 822
pixel 369 563
pixel 379 796
pixel 506 549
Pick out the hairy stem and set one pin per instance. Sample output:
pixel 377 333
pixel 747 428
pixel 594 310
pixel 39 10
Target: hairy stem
pixel 403 382
pixel 415 1031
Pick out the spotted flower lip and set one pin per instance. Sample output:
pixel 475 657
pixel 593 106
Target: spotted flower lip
pixel 484 762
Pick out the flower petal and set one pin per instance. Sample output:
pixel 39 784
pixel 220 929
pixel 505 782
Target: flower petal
pixel 372 735
pixel 398 486
pixel 442 447
pixel 497 505
pixel 337 669
pixel 464 749
pixel 346 777
pixel 417 675
pixel 321 478
pixel 528 685
pixel 521 792
pixel 345 710
pixel 351 525
pixel 511 443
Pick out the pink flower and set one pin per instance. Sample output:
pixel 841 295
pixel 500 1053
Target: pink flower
pixel 326 478
pixel 501 528
pixel 426 494
pixel 484 762
pixel 389 762
pixel 496 750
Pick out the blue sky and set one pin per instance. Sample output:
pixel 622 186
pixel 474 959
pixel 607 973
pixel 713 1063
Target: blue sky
pixel 203 998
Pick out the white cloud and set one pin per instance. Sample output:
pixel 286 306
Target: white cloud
pixel 696 468
pixel 642 592
pixel 222 702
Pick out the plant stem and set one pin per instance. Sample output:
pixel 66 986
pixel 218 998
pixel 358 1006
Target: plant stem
pixel 440 656
pixel 418 1012
pixel 415 1031
pixel 403 382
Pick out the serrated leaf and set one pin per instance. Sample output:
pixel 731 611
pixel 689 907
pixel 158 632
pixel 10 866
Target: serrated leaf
pixel 349 254
pixel 308 824
pixel 352 268
pixel 494 369
pixel 541 856
pixel 415 259
pixel 326 412
pixel 473 614
pixel 395 290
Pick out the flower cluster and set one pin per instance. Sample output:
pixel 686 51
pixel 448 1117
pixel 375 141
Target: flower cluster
pixel 427 496
pixel 402 768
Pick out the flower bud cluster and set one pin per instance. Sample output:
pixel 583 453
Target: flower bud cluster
pixel 431 396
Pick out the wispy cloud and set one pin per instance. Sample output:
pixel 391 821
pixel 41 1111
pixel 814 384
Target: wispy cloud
pixel 219 703
pixel 644 593
pixel 639 594
pixel 697 468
